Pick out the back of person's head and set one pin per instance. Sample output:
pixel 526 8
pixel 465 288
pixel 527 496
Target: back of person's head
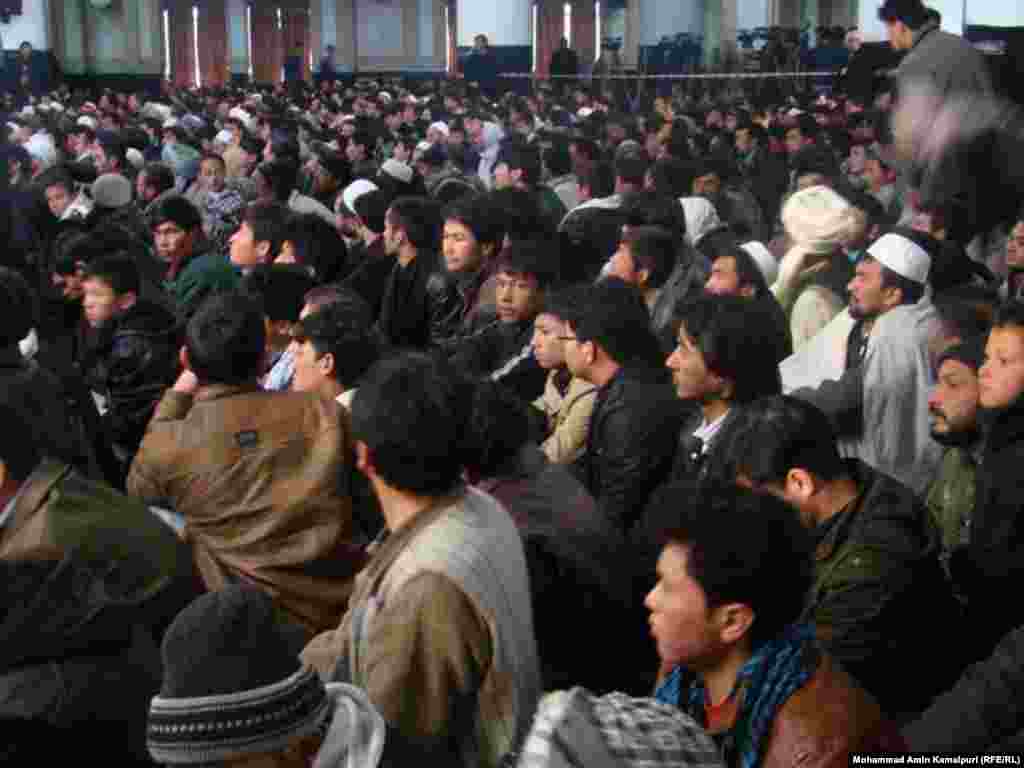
pixel 530 258
pixel 285 148
pixel 343 328
pixel 372 209
pixel 738 340
pixel 768 567
pixel 226 338
pixel 177 210
pixel 564 303
pixel 672 177
pixel 613 316
pixel 118 270
pixel 600 180
pixel 773 435
pixel 807 125
pixel 498 429
pixel 415 444
pixel 519 210
pixel 816 161
pixel 650 208
pixel 267 220
pixel 281 176
pixel 631 168
pixel 420 219
pixel 479 216
pixel 653 249
pixel 1010 315
pixel 913 13
pixel 557 159
pixel 523 158
pixel 159 176
pixel 21 307
pixel 317 245
pixel 281 288
pixel 112 146
pixel 72 250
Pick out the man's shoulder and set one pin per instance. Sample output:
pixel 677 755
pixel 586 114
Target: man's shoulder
pixel 825 719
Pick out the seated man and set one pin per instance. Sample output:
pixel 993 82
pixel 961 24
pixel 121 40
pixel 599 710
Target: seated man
pixel 132 356
pixel 260 237
pixel 645 258
pixel 258 476
pixel 333 347
pixel 470 242
pixel 724 615
pixel 502 350
pixel 877 576
pixel 568 401
pixel 449 657
pixel 635 424
pixel 581 572
pixel 51 508
pixel 192 273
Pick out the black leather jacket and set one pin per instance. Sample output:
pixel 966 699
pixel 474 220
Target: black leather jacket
pixel 417 308
pixel 631 441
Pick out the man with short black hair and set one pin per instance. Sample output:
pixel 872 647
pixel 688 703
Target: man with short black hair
pixel 132 355
pixel 259 238
pixel 450 657
pixel 154 184
pixel 645 258
pixel 725 615
pixel 877 575
pixel 519 165
pixel 259 477
pixel 373 265
pixel 635 423
pixel 191 274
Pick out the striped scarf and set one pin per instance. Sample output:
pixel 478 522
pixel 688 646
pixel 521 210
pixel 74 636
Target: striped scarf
pixel 777 669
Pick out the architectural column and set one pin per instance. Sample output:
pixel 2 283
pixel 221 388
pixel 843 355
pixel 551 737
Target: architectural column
pixel 630 53
pixel 345 35
pixel 213 48
pixel 238 38
pixel 583 31
pixel 727 34
pixel 550 30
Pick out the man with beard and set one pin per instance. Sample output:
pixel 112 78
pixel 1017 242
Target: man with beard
pixel 953 405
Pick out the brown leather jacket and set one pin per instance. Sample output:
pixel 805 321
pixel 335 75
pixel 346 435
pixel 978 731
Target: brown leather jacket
pixel 824 721
pixel 261 479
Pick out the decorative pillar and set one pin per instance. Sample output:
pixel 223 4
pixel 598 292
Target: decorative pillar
pixel 345 35
pixel 238 38
pixel 583 31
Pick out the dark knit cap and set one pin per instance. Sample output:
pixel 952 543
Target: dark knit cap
pixel 970 352
pixel 233 685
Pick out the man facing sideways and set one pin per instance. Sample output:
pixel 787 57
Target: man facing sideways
pixel 439 632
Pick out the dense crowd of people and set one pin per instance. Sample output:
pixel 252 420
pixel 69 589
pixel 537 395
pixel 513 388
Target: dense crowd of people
pixel 385 424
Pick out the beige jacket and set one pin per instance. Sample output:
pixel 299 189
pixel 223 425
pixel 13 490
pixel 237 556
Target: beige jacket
pixel 568 418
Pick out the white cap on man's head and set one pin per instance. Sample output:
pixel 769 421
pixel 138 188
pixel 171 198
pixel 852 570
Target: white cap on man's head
pixel 354 191
pixel 903 256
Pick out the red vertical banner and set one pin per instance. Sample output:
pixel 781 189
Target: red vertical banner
pixel 183 60
pixel 550 30
pixel 213 42
pixel 583 30
pixel 267 53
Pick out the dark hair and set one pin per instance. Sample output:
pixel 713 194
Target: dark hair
pixel 177 210
pixel 20 450
pixel 524 158
pixel 498 428
pixel 651 208
pixel 807 125
pixel 317 245
pixel 159 176
pixel 672 177
pixel 21 307
pixel 600 180
pixel 57 177
pixel 372 209
pixel 773 435
pixel 738 340
pixel 910 291
pixel 112 146
pixel 416 443
pixel 913 13
pixel 420 219
pixel 1009 314
pixel 225 339
pixel 364 139
pixel 118 270
pixel 281 175
pixel 614 316
pixel 285 148
pixel 747 270
pixel 72 249
pixel 631 167
pixel 281 289
pixel 478 216
pixel 565 303
pixel 818 160
pixel 343 328
pixel 267 222
pixel 653 249
pixel 535 258
pixel 768 568
pixel 519 211
pixel 557 159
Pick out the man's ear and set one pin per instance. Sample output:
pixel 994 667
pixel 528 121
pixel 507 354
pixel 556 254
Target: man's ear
pixel 364 459
pixel 126 301
pixel 734 622
pixel 263 251
pixel 183 358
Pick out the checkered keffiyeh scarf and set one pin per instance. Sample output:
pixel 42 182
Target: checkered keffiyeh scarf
pixel 573 729
pixel 779 668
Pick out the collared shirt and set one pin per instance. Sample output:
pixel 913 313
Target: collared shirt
pixel 706 432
